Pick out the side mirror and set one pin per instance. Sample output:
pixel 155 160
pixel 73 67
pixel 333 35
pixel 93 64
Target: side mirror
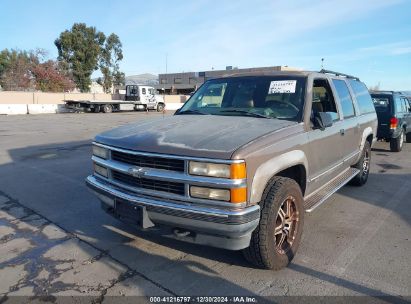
pixel 322 120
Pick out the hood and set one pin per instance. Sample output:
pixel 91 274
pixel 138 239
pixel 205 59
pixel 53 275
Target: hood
pixel 208 136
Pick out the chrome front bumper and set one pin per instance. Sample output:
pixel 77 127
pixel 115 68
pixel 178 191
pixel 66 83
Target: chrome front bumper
pixel 223 228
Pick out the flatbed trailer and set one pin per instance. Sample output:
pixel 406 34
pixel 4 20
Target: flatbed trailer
pixel 106 106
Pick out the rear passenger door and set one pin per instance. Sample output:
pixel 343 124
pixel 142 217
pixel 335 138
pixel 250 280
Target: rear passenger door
pixel 350 126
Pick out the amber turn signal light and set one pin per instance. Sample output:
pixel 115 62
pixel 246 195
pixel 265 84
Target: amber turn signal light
pixel 238 195
pixel 238 171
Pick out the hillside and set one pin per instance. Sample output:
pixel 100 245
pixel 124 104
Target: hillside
pixel 147 78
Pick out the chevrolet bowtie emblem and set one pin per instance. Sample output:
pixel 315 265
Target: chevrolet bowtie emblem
pixel 137 172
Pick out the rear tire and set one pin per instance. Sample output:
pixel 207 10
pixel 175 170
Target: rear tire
pixel 275 241
pixel 363 165
pixel 408 137
pixel 397 143
pixel 107 108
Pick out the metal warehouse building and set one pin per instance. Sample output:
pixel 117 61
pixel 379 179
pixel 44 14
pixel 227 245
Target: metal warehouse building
pixel 185 83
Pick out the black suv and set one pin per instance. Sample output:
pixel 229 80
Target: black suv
pixel 394 118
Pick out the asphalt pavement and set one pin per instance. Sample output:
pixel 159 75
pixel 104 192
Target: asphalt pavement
pixel 55 240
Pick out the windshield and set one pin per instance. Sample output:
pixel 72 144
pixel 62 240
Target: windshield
pixel 279 97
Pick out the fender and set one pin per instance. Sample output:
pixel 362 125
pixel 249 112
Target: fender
pixel 367 132
pixel 271 167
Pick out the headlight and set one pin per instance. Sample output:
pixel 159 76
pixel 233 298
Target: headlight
pixel 236 195
pixel 234 171
pixel 212 194
pixel 100 152
pixel 100 170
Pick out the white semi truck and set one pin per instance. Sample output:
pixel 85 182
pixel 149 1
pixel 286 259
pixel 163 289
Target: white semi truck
pixel 137 97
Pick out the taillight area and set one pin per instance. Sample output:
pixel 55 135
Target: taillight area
pixel 393 123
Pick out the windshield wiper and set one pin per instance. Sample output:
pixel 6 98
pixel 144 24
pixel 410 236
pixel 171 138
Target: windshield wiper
pixel 252 114
pixel 192 112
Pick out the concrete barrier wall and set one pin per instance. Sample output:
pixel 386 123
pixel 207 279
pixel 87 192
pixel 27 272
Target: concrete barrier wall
pixel 16 98
pixel 9 97
pixel 49 98
pixel 13 109
pixel 173 106
pixel 175 98
pixel 42 108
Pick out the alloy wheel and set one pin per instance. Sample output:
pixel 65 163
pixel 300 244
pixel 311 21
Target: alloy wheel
pixel 366 163
pixel 286 225
pixel 401 139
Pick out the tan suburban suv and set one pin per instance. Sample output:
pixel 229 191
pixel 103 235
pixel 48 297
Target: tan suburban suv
pixel 241 162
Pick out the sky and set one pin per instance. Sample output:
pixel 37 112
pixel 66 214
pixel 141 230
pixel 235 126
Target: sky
pixel 370 39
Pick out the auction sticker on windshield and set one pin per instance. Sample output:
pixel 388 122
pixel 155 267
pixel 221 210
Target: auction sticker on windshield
pixel 282 86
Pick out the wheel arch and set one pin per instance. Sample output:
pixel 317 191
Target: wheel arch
pixel 292 164
pixel 367 135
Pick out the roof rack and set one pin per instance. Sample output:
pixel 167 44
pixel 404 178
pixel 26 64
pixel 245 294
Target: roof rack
pixel 338 74
pixel 387 92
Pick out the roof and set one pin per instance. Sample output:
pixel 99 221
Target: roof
pixel 290 73
pixel 234 74
pixel 265 73
pixel 386 92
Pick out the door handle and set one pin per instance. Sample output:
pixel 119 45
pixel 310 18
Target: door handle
pixel 342 132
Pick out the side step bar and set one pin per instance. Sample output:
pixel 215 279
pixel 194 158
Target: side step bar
pixel 317 198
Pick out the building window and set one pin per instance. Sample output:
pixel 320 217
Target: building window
pixel 178 80
pixel 192 80
pixel 163 81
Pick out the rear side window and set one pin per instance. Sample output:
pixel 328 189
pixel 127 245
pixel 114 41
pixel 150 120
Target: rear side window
pixel 406 104
pixel 345 98
pixel 363 97
pixel 399 107
pixel 381 104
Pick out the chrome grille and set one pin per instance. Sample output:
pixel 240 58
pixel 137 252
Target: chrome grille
pixel 145 183
pixel 148 161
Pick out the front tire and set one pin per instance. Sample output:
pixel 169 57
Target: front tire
pixel 408 137
pixel 397 143
pixel 275 241
pixel 363 165
pixel 160 107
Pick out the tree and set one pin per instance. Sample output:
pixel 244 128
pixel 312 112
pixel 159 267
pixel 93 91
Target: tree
pixel 15 69
pixel 79 51
pixel 111 55
pixel 51 77
pixel 375 87
pixel 119 78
